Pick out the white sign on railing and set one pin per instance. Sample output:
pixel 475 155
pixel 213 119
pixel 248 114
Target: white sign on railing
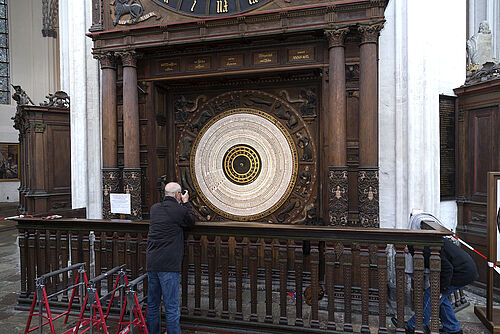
pixel 120 203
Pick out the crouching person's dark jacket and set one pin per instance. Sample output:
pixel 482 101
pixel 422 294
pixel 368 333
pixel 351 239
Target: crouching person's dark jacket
pixel 457 267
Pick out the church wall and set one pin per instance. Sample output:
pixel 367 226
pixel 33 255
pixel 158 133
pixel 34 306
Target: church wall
pixel 33 66
pixel 416 65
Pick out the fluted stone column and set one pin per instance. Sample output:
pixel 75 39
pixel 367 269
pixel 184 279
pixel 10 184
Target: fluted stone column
pixel 132 170
pixel 111 176
pixel 337 136
pixel 368 185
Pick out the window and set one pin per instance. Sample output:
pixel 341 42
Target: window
pixel 4 54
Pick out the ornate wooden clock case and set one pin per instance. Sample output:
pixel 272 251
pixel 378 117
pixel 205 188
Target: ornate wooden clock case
pixel 252 105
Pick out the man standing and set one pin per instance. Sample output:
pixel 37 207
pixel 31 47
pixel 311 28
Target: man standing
pixel 164 254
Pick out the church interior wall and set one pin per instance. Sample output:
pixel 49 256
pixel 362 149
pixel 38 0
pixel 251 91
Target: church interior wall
pixel 34 65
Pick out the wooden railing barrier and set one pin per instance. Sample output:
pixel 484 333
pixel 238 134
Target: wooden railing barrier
pixel 261 277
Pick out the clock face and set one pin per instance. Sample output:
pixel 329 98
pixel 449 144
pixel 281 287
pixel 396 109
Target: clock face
pixel 212 8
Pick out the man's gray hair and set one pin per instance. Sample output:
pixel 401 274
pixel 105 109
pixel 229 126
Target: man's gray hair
pixel 171 188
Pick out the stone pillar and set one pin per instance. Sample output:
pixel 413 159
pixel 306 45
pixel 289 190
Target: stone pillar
pixel 132 170
pixel 336 120
pixel 111 175
pixel 368 185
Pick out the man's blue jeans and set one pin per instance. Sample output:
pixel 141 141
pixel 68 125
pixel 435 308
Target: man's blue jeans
pixel 166 284
pixel 446 313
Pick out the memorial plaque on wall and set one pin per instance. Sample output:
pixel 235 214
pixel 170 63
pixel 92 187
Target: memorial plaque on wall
pixel 447 146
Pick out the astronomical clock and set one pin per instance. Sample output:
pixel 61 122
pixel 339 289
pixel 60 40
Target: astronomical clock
pixel 248 156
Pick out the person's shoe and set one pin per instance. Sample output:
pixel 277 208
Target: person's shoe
pixel 408 329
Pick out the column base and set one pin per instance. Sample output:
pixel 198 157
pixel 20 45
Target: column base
pixel 132 185
pixel 111 183
pixel 368 195
pixel 337 196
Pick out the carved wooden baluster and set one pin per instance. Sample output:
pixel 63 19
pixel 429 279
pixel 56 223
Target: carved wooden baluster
pixel 365 276
pixel 329 284
pixel 114 257
pixel 97 258
pixel 127 252
pixel 299 268
pixel 64 251
pixel 50 254
pixel 85 250
pixel 347 263
pixel 314 284
pixel 134 256
pixel 252 253
pixel 211 275
pixel 239 268
pixel 105 253
pixel 268 265
pixel 224 253
pixel 122 250
pixel 31 262
pixel 75 256
pixel 435 268
pixel 141 254
pixel 40 250
pixel 197 274
pixel 283 261
pixel 185 276
pixel 400 286
pixel 382 289
pixel 23 261
pixel 418 287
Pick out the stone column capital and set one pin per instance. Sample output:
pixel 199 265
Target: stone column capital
pixel 106 59
pixel 129 57
pixel 370 32
pixel 336 36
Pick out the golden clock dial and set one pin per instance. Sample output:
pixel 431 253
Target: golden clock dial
pixel 210 8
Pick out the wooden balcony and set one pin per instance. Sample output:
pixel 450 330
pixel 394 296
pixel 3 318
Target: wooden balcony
pixel 250 276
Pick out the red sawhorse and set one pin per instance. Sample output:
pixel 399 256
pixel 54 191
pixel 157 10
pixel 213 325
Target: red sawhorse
pixel 133 307
pixel 97 318
pixel 42 299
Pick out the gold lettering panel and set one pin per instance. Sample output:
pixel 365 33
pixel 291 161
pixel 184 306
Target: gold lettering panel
pixel 265 58
pixel 199 63
pixel 301 55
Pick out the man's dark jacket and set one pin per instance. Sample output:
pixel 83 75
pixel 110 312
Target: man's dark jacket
pixel 457 267
pixel 166 234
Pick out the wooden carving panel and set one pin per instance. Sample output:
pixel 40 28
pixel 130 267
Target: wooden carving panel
pixel 481 148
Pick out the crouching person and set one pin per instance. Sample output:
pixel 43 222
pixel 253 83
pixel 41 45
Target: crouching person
pixel 457 270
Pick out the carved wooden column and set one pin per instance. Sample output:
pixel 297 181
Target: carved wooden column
pixel 111 176
pixel 368 186
pixel 132 169
pixel 337 138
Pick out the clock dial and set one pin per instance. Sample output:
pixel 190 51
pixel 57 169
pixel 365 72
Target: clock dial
pixel 211 8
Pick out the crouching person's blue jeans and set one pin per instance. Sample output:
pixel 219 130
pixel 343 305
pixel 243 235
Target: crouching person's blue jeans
pixel 166 284
pixel 446 313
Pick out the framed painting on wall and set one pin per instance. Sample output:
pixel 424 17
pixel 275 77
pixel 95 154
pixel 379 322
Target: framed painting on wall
pixel 9 162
